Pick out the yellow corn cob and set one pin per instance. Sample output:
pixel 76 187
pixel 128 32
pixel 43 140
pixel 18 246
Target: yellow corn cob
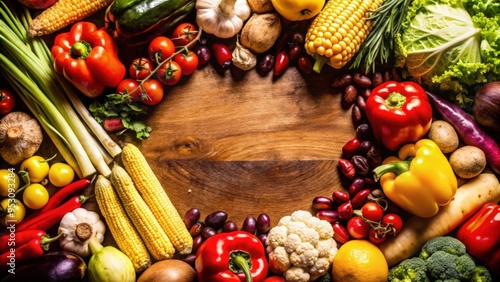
pixel 154 237
pixel 124 233
pixel 157 199
pixel 63 13
pixel 338 31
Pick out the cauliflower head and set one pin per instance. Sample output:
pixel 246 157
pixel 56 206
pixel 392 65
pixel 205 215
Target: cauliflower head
pixel 301 246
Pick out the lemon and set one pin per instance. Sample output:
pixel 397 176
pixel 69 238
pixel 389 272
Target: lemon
pixel 359 261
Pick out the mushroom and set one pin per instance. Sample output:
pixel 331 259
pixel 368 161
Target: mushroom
pixel 20 137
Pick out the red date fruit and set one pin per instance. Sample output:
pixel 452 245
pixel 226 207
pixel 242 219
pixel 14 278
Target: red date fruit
pixel 191 217
pixel 203 53
pixel 229 226
pixel 196 229
pixel 328 215
pixel 222 54
pixel 347 168
pixel 322 203
pixel 360 198
pixel 360 164
pixel 197 241
pixel 294 51
pixel 350 148
pixel 190 259
pixel 345 211
pixel 265 64
pixel 249 225
pixel 340 196
pixel 216 219
pixel 305 65
pixel 340 233
pixel 263 223
pixel 357 184
pixel 262 238
pixel 281 63
pixel 208 232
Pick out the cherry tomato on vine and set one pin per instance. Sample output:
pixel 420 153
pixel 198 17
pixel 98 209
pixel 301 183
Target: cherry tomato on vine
pixel 14 211
pixel 169 73
pixel 9 182
pixel 160 49
pixel 154 92
pixel 140 68
pixel 61 174
pixel 35 196
pixel 184 33
pixel 7 101
pixel 37 168
pixel 372 211
pixel 357 227
pixel 187 61
pixel 393 220
pixel 376 237
pixel 130 87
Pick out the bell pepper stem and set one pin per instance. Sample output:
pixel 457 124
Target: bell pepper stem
pixel 46 240
pixel 395 167
pixel 239 261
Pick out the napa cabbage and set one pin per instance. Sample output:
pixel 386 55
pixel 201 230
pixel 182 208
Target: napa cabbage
pixel 451 46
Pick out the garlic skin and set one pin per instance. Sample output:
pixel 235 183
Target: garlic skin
pixel 243 58
pixel 79 226
pixel 20 137
pixel 222 18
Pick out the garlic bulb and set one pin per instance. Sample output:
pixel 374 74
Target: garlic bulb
pixel 243 58
pixel 222 18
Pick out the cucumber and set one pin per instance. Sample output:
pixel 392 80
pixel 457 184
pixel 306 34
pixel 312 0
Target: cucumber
pixel 136 22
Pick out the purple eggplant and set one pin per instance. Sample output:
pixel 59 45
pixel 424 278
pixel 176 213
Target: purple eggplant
pixel 467 129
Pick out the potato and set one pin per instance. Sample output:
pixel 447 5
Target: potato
pixel 444 135
pixel 260 6
pixel 468 161
pixel 171 270
pixel 260 32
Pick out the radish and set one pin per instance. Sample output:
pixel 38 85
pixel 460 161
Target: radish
pixel 467 129
pixel 416 231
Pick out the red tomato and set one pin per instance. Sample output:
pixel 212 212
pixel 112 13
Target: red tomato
pixel 154 91
pixel 394 221
pixel 187 61
pixel 184 33
pixel 372 211
pixel 358 228
pixel 376 237
pixel 160 49
pixel 169 73
pixel 7 101
pixel 130 87
pixel 140 68
pixel 274 279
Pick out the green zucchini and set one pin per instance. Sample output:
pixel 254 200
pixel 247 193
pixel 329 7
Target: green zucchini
pixel 136 22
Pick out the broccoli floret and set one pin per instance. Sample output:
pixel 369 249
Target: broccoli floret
pixel 445 266
pixel 481 274
pixel 409 270
pixel 447 244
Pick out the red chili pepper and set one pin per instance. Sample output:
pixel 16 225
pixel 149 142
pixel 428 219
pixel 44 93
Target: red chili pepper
pixel 399 113
pixel 18 238
pixel 481 236
pixel 30 250
pixel 46 220
pixel 60 196
pixel 222 54
pixel 231 256
pixel 281 63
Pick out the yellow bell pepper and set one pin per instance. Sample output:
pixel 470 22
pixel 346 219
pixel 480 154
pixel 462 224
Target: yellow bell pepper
pixel 419 180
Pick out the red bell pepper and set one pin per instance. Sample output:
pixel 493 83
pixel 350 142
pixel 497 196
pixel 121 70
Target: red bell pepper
pixel 481 236
pixel 399 113
pixel 88 58
pixel 231 256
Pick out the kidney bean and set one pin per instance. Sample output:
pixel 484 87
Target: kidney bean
pixel 361 80
pixel 361 103
pixel 341 81
pixel 196 229
pixel 356 115
pixel 191 217
pixel 365 147
pixel 262 238
pixel 340 233
pixel 305 65
pixel 347 168
pixel 340 196
pixel 216 219
pixel 322 203
pixel 365 93
pixel 360 164
pixel 281 63
pixel 263 223
pixel 203 53
pixel 349 96
pixel 377 79
pixel 222 54
pixel 197 241
pixel 350 148
pixel 364 132
pixel 345 211
pixel 360 198
pixel 208 232
pixel 265 64
pixel 357 185
pixel 190 259
pixel 294 51
pixel 386 76
pixel 328 215
pixel 229 226
pixel 249 225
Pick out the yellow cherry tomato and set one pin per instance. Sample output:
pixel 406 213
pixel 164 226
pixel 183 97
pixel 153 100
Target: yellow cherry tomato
pixel 298 10
pixel 14 211
pixel 37 168
pixel 35 196
pixel 9 182
pixel 61 174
